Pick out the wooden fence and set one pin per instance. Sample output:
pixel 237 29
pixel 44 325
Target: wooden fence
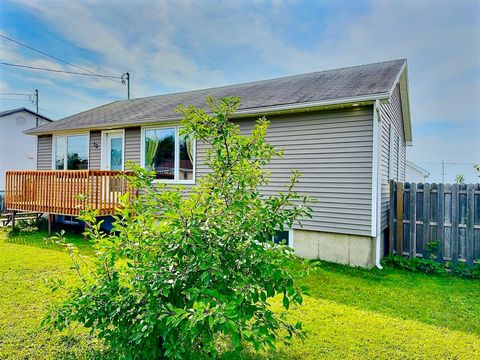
pixel 444 215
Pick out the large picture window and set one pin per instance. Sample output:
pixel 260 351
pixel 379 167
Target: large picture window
pixel 169 154
pixel 71 152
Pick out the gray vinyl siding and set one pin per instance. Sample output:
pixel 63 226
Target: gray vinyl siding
pixel 44 152
pixel 95 152
pixel 333 151
pixel 391 114
pixel 132 145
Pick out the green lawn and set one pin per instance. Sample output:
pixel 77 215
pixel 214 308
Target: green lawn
pixel 351 313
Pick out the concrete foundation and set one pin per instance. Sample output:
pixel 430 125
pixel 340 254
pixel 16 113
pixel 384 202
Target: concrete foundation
pixel 353 250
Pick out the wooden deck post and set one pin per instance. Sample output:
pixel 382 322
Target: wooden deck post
pixel 14 213
pixel 50 223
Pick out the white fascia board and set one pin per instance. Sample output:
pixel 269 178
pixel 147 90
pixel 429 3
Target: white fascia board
pixel 397 79
pixel 407 122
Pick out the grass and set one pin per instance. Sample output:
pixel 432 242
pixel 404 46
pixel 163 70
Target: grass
pixel 351 313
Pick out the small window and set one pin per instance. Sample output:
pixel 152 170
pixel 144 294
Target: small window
pixel 282 237
pixel 68 219
pixel 168 153
pixel 71 152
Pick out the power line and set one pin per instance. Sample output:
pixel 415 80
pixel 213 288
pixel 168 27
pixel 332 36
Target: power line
pixel 59 71
pixel 15 94
pixel 50 111
pixel 10 99
pixel 58 59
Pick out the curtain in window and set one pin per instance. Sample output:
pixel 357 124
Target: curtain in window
pixel 151 146
pixel 160 152
pixel 186 157
pixel 189 143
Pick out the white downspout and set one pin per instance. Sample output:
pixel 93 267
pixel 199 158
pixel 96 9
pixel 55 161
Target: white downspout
pixel 377 135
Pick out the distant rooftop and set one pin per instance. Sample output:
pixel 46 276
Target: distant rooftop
pixel 13 111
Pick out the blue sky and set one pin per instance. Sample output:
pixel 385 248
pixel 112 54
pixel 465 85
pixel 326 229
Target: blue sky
pixel 183 45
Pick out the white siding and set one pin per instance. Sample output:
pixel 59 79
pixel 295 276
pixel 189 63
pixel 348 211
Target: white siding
pixel 17 150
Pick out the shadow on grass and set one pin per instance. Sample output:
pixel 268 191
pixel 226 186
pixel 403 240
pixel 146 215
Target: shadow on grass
pixel 74 347
pixel 41 239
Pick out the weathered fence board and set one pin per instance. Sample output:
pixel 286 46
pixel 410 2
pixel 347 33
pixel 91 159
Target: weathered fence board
pixel 423 215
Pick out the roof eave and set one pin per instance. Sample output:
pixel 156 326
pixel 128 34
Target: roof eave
pixel 14 111
pixel 402 79
pixel 267 110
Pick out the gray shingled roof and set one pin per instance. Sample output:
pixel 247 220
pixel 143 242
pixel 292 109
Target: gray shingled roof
pixel 352 82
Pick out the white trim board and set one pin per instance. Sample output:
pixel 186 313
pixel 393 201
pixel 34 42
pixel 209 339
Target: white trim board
pixel 103 147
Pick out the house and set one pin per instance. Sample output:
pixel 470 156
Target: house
pixel 346 130
pixel 415 173
pixel 18 150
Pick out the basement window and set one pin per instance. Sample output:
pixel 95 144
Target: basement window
pixel 282 237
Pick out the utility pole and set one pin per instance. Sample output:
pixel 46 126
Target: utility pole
pixel 36 103
pixel 36 99
pixel 126 81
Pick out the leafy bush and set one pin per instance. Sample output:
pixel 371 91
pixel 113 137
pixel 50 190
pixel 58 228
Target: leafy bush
pixel 181 273
pixel 430 266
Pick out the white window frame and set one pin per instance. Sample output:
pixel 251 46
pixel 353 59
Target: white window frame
pixel 103 155
pixel 290 236
pixel 54 148
pixel 177 154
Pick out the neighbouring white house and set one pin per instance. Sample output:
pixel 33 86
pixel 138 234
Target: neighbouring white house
pixel 415 173
pixel 18 151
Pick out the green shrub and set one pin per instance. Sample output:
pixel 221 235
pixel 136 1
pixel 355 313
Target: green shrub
pixel 429 266
pixel 181 273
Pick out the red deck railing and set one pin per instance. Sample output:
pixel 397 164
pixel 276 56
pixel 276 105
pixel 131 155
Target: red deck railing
pixel 56 192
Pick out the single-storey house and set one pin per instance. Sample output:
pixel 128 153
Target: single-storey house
pixel 345 130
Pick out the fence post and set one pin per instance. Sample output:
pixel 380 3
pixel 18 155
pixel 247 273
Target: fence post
pixel 470 232
pixel 426 218
pixel 455 221
pixel 391 217
pixel 399 244
pixel 413 219
pixel 440 220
